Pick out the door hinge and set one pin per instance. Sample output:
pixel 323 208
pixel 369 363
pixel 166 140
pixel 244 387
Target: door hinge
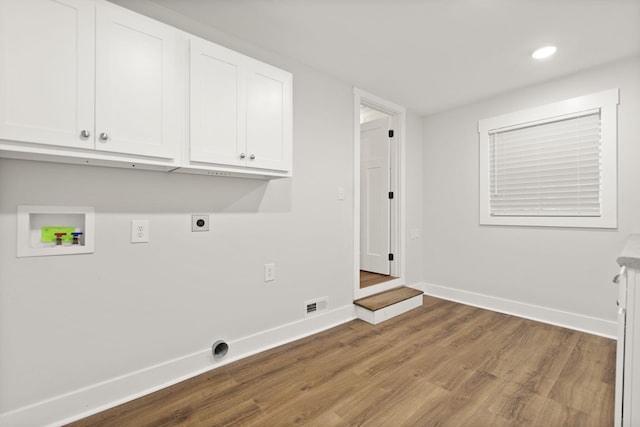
pixel 390 257
pixel 391 194
pixel 390 133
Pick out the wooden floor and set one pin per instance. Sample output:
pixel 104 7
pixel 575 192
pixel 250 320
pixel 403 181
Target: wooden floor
pixel 387 298
pixel 369 279
pixel 442 364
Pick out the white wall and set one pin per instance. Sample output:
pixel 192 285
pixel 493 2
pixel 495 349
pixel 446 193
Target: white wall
pixel 82 332
pixel 566 272
pixel 414 195
pixel 75 321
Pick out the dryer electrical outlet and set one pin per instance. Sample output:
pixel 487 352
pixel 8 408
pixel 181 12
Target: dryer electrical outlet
pixel 200 222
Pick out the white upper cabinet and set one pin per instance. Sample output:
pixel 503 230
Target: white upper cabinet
pixel 90 82
pixel 240 111
pixel 95 76
pixel 135 84
pixel 269 127
pixel 47 71
pixel 217 90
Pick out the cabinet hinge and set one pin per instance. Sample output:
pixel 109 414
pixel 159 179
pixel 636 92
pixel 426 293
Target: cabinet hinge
pixel 391 194
pixel 390 133
pixel 390 257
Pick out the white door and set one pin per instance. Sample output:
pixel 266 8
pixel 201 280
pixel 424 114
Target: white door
pixel 135 84
pixel 269 106
pixel 217 91
pixel 374 196
pixel 47 71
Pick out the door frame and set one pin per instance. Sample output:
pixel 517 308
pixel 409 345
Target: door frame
pixel 397 244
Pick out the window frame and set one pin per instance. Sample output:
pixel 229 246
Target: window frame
pixel 606 102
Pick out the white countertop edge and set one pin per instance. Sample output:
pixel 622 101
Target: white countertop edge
pixel 630 256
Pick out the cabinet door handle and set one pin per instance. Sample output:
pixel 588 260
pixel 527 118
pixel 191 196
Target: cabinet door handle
pixel 85 134
pixel 616 278
pixel 104 136
pixel 252 157
pixel 242 155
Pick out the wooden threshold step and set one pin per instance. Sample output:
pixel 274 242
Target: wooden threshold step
pixel 385 305
pixel 387 298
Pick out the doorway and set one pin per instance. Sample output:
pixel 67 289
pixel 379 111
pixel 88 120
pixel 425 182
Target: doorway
pixel 378 203
pixel 376 195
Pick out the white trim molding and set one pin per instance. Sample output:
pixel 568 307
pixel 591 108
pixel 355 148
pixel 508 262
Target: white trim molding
pixel 399 114
pixel 578 322
pixel 87 401
pixel 605 103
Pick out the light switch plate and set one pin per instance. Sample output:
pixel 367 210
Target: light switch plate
pixel 269 272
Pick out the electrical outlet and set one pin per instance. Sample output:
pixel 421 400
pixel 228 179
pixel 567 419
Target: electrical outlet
pixel 269 272
pixel 139 231
pixel 200 222
pixel 340 193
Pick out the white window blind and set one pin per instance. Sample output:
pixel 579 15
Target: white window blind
pixel 551 168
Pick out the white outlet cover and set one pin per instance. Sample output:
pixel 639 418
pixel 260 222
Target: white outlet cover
pixel 200 222
pixel 139 231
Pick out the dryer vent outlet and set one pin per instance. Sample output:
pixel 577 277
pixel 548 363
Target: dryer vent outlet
pixel 219 349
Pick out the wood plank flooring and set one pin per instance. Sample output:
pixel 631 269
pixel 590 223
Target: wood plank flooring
pixel 442 364
pixel 369 279
pixel 387 298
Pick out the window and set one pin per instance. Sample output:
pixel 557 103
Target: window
pixel 553 165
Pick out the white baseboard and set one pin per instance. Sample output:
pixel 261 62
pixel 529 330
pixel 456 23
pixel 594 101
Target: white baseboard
pixel 578 322
pixel 90 400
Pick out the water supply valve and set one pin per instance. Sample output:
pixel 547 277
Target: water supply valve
pixel 59 238
pixel 76 237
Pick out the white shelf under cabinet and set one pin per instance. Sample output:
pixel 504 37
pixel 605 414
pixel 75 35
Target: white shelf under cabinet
pixel 31 219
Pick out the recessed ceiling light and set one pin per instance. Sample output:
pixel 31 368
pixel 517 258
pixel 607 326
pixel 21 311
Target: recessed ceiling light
pixel 544 52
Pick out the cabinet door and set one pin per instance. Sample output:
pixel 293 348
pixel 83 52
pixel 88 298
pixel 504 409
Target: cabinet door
pixel 269 115
pixel 46 71
pixel 217 92
pixel 631 392
pixel 135 84
pixel 621 279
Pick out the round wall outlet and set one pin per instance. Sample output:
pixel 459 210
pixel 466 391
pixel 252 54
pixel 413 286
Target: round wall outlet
pixel 199 222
